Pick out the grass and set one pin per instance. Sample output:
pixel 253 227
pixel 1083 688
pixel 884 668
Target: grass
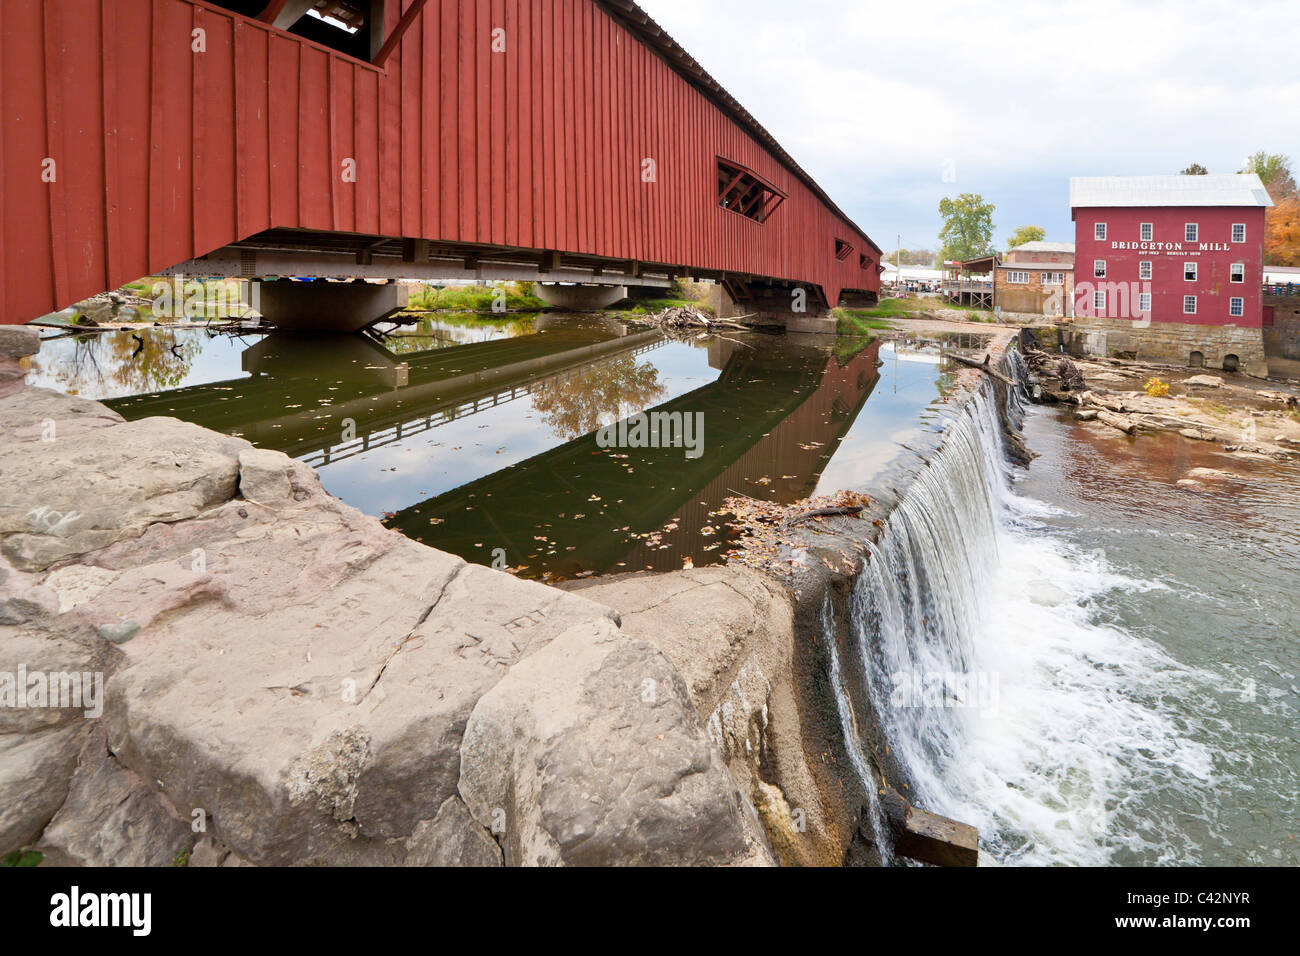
pixel 475 298
pixel 862 321
pixel 21 858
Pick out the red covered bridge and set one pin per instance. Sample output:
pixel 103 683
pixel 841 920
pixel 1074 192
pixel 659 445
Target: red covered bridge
pixel 553 140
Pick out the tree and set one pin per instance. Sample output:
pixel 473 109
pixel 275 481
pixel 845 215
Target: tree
pixel 1274 170
pixel 1025 234
pixel 967 227
pixel 1282 233
pixel 1196 169
pixel 912 257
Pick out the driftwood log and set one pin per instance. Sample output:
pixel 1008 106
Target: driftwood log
pixel 983 367
pixel 1126 425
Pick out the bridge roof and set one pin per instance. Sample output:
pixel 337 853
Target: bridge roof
pixel 644 28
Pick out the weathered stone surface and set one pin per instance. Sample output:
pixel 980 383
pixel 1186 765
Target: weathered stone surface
pixel 591 754
pixel 112 817
pixel 325 711
pixel 1203 381
pixel 26 416
pixel 730 632
pixel 452 838
pixel 264 475
pixel 17 341
pixel 301 674
pixel 63 499
pixel 35 768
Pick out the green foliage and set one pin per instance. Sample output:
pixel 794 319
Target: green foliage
pixel 1196 169
pixel 912 257
pixel 475 298
pixel 19 858
pixel 1024 234
pixel 182 858
pixel 967 227
pixel 1274 170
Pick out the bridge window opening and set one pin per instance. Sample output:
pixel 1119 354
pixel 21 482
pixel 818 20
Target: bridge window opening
pixel 864 262
pixel 843 249
pixel 352 27
pixel 743 191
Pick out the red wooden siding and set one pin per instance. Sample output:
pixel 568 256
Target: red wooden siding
pixel 164 154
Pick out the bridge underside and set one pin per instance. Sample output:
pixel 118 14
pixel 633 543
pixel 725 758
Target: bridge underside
pixel 296 253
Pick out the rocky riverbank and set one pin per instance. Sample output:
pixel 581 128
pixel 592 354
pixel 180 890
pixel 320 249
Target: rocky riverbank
pixel 1247 420
pixel 284 681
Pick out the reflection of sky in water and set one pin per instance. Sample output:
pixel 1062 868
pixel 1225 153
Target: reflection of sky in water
pixel 404 473
pixel 89 367
pixel 894 416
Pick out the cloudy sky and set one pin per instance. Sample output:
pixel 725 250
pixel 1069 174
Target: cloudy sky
pixel 893 105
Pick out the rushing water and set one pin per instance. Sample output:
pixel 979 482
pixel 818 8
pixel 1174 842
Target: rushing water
pixel 1084 659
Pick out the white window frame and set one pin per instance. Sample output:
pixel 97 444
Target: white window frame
pixel 1098 301
pixel 1194 267
pixel 1053 278
pixel 1146 232
pixel 1237 268
pixel 1189 300
pixel 1099 268
pixel 1145 269
pixel 1017 277
pixel 1235 227
pixel 1191 232
pixel 1099 231
pixel 1236 307
pixel 1144 302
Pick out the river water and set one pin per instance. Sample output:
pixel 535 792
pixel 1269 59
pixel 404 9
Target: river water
pixel 1106 660
pixel 1121 651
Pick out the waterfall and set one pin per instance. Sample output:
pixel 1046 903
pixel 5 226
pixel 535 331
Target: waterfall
pixel 1002 703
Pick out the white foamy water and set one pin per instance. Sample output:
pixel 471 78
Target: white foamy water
pixel 1050 724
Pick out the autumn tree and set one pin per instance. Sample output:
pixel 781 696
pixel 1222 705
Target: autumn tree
pixel 1196 169
pixel 1024 234
pixel 967 227
pixel 1282 233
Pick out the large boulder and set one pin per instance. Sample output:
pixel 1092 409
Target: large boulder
pixel 64 498
pixel 112 817
pixel 589 753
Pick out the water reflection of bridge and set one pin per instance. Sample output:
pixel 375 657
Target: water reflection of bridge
pixel 304 389
pixel 773 418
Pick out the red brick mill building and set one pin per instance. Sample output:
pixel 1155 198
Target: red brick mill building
pixel 1171 268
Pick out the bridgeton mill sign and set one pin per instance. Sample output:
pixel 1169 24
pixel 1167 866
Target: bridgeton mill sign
pixel 1160 247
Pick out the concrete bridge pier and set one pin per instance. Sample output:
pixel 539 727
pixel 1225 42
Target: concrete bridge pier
pixel 793 308
pixel 580 298
pixel 321 306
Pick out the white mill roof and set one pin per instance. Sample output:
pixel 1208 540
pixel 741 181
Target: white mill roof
pixel 1238 189
pixel 1043 247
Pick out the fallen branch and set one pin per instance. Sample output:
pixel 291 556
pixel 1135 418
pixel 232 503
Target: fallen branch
pixel 983 367
pixel 1126 425
pixel 852 511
